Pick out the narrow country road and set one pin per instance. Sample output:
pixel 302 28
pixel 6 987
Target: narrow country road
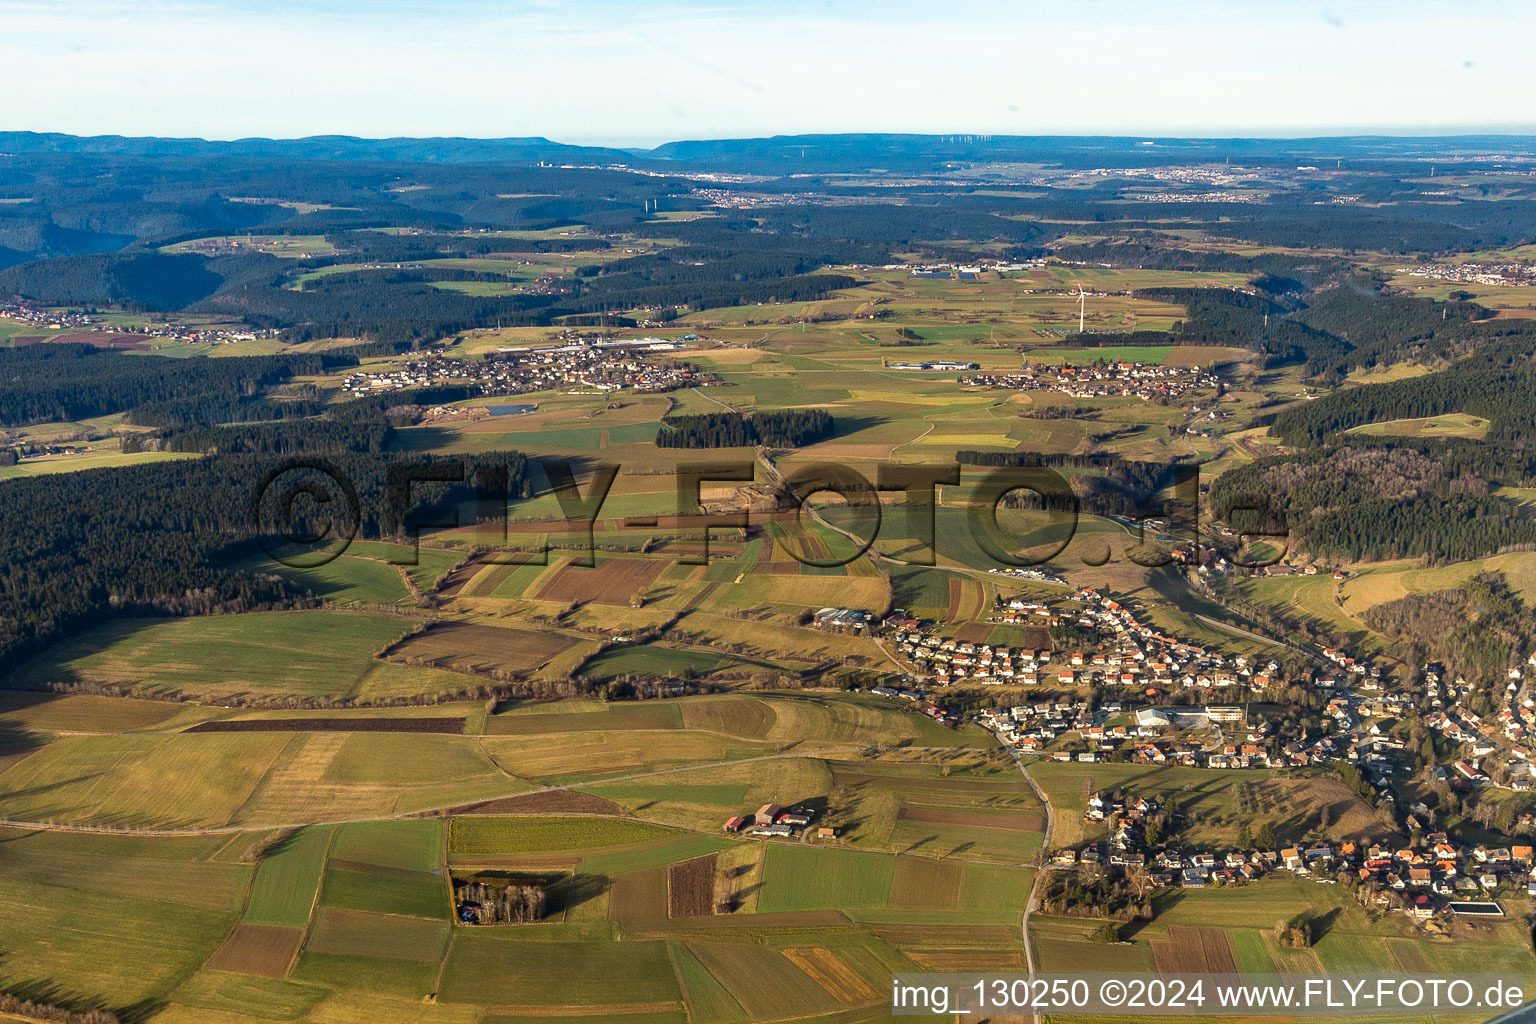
pixel 1042 870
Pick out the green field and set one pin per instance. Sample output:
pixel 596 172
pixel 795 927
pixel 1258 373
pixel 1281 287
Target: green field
pixel 116 919
pixel 286 880
pixel 344 580
pixel 260 654
pixel 501 969
pixel 475 838
pixel 802 878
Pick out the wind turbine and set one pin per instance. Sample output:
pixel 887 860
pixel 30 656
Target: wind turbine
pixel 1082 305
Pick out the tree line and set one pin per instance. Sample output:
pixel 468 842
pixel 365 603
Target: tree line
pixel 40 383
pixel 161 539
pixel 787 428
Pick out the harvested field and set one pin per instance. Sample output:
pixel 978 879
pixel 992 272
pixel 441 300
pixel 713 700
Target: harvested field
pixel 764 981
pixel 939 816
pixel 965 961
pixel 1189 950
pixel 691 888
pixel 452 726
pixel 829 971
pixel 471 647
pixel 748 717
pixel 259 949
pixel 554 801
pixel 614 581
pixel 639 896
pixel 924 882
pixel 989 938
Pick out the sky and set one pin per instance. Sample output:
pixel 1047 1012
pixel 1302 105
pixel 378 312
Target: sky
pixel 642 72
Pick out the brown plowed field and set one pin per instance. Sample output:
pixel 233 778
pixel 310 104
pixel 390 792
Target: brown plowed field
pixel 259 949
pixel 452 726
pixel 691 888
pixel 1189 950
pixel 614 581
pixel 470 647
pixel 974 633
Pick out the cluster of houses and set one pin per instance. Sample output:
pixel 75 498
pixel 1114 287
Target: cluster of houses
pixel 47 319
pixel 1102 380
pixel 593 365
pixel 966 271
pixel 1131 653
pixel 1505 738
pixel 1424 874
pixel 773 820
pixel 1362 702
pixel 1505 274
pixel 1032 727
pixel 949 660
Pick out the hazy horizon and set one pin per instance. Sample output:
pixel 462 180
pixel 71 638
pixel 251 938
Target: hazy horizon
pixel 637 74
pixel 1364 132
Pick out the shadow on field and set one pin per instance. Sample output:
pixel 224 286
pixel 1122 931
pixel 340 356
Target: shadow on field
pixel 1322 924
pixel 1162 902
pixel 14 739
pixel 46 992
pixel 571 891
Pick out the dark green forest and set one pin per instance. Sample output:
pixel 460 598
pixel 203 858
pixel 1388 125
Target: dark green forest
pixel 789 428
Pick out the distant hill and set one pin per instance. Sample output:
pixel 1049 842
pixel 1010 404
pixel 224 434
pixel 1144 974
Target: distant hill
pixel 781 154
pixel 319 147
pixel 914 153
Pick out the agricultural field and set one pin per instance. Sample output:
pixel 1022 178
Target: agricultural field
pixel 1214 803
pixel 269 774
pixel 1233 929
pixel 486 778
pixel 258 656
pixel 471 647
pixel 100 456
pixel 138 914
pixel 346 580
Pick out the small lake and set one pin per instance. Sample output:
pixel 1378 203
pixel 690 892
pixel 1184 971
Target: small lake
pixel 510 410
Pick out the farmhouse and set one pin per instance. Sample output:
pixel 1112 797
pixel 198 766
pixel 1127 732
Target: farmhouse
pixel 767 814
